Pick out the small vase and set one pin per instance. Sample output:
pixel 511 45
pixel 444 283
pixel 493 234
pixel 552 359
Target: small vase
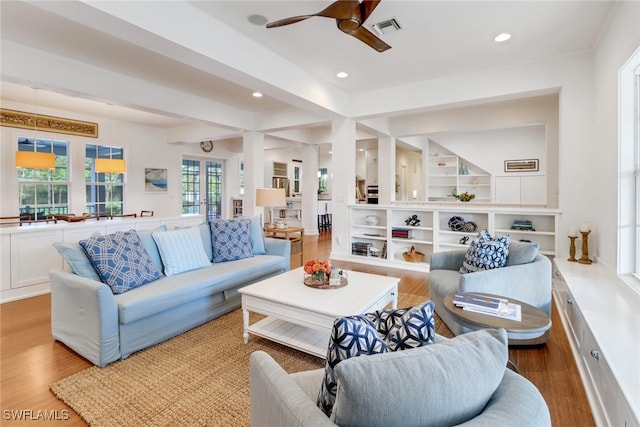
pixel 317 278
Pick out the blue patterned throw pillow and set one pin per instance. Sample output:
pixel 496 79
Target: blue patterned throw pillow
pixel 231 239
pixel 414 328
pixel 121 260
pixel 351 336
pixel 485 253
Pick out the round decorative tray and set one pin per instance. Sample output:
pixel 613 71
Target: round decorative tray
pixel 325 285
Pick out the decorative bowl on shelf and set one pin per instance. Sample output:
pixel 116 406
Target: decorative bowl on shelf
pixel 372 220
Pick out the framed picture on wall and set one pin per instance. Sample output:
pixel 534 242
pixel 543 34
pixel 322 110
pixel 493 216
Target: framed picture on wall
pixel 155 180
pixel 527 165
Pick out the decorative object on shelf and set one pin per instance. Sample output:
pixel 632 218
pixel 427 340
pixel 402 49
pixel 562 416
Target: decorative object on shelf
pixel 584 230
pixel 572 249
pixel 372 220
pixel 523 224
pixel 463 197
pixel 463 170
pixel 456 223
pixel 470 227
pixel 464 240
pixel 383 254
pixel 413 220
pixel 412 255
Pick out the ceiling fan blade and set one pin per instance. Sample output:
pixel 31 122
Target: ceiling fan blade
pixel 369 38
pixel 342 9
pixel 367 7
pixel 287 21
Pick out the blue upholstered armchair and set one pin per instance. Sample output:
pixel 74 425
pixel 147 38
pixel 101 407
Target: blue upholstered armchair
pixel 526 277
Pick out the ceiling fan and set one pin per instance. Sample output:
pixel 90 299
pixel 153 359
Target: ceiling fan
pixel 350 15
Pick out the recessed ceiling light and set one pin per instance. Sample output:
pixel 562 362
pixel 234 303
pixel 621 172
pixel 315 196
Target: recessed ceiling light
pixel 257 20
pixel 502 37
pixel 342 75
pixel 257 95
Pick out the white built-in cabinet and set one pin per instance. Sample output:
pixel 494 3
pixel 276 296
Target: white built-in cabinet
pixel 521 190
pixel 28 253
pixel 434 232
pixel 600 316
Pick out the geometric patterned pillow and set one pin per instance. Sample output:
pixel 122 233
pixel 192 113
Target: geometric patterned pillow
pixel 383 320
pixel 485 253
pixel 121 260
pixel 351 336
pixel 231 239
pixel 415 328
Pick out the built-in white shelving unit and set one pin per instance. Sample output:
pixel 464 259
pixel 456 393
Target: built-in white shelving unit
pixel 434 233
pixel 448 173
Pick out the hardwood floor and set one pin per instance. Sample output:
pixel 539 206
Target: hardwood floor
pixel 30 360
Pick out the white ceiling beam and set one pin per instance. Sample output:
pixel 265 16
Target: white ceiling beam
pixel 24 65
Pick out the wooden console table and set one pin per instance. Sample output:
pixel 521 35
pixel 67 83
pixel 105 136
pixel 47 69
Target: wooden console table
pixel 296 236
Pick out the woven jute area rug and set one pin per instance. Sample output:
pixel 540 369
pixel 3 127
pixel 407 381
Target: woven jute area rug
pixel 199 378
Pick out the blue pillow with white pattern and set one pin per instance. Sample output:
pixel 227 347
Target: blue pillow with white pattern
pixel 485 253
pixel 410 328
pixel 231 239
pixel 351 336
pixel 121 260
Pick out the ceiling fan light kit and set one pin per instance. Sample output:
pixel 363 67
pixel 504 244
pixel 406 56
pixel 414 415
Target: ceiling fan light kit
pixel 350 16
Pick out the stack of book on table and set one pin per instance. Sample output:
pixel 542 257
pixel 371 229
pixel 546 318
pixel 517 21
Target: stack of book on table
pixel 493 306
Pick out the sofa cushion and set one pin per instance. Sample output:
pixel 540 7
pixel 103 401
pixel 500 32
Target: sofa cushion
pixel 149 244
pixel 181 250
pixel 231 239
pixel 351 336
pixel 415 328
pixel 121 260
pixel 172 291
pixel 446 383
pixel 521 252
pixel 77 259
pixel 485 253
pixel 257 235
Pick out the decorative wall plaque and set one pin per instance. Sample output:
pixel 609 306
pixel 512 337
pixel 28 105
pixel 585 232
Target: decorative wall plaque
pixel 20 119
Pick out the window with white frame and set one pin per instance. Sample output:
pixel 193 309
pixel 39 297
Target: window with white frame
pixel 44 192
pixel 629 171
pixel 104 191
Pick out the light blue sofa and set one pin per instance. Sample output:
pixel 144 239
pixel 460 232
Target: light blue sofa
pixel 460 381
pixel 526 277
pixel 103 327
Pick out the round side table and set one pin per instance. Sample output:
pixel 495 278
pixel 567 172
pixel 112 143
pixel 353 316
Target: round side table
pixel 534 329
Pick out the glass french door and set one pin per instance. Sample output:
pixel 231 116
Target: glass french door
pixel 202 188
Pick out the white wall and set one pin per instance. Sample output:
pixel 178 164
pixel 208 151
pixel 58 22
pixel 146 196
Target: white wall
pixel 616 46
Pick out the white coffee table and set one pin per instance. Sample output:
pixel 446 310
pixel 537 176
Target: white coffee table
pixel 302 317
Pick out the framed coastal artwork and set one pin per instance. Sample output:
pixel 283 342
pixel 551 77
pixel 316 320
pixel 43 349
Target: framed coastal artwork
pixel 155 180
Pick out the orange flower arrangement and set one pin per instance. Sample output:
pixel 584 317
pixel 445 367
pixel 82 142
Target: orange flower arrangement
pixel 317 266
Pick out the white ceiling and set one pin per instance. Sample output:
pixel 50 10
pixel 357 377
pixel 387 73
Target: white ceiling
pixel 438 38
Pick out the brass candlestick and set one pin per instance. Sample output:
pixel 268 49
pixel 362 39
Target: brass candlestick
pixel 572 249
pixel 584 259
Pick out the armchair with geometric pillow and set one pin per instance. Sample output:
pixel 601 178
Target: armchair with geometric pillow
pixel 516 270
